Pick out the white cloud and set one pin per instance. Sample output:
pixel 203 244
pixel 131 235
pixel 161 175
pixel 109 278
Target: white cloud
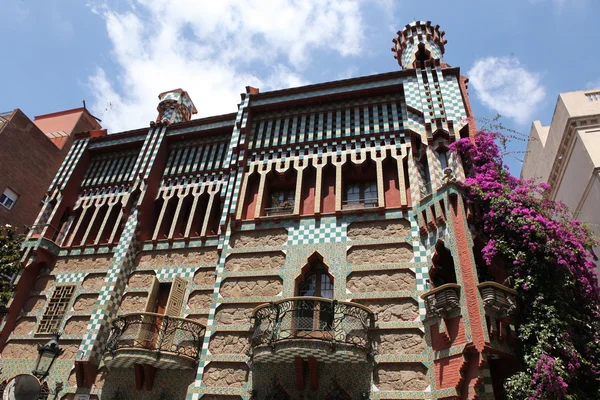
pixel 503 85
pixel 593 84
pixel 213 49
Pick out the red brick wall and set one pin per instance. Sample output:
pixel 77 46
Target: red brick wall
pixel 28 163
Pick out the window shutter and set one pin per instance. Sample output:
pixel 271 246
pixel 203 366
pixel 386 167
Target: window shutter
pixel 175 301
pixel 152 297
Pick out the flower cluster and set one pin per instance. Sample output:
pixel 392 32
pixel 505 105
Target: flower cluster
pixel 548 254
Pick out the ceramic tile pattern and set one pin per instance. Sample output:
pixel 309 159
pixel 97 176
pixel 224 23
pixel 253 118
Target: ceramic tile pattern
pixel 283 138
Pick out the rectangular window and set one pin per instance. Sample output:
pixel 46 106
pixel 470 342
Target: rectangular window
pixel 57 307
pixel 361 195
pixel 8 198
pixel 282 203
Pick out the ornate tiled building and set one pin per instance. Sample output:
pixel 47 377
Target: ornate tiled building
pixel 313 245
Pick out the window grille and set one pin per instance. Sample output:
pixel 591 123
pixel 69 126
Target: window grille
pixel 56 309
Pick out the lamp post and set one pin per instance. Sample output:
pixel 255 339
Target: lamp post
pixel 47 354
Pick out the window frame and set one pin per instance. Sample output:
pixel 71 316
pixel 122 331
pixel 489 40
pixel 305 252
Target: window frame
pixel 10 195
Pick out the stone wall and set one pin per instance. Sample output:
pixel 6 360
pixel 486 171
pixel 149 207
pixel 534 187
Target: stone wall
pixel 34 304
pixel 400 341
pixel 275 237
pixel 20 350
pixel 201 318
pixel 234 314
pixel 81 264
pixel 229 343
pixel 379 229
pixel 254 261
pixel 76 325
pixel 380 254
pixel 222 374
pixel 381 281
pixel 94 281
pixel 392 310
pixel 401 377
pixel 171 258
pixel 251 287
pixel 200 299
pixel 25 326
pixel 134 302
pixel 141 279
pixel 70 347
pixel 205 276
pixel 85 302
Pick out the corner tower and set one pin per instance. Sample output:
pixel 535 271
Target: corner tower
pixel 419 45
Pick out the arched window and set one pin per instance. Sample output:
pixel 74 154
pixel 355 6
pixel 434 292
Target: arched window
pixel 316 281
pixel 443 156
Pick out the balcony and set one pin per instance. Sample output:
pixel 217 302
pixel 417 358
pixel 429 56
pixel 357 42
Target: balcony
pixel 329 330
pixel 359 204
pixel 499 301
pixel 284 209
pixel 155 339
pixel 443 300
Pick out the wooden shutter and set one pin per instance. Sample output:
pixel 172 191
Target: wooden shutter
pixel 152 297
pixel 175 301
pixel 147 329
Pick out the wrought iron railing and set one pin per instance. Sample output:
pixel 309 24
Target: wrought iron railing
pixel 52 232
pixel 313 318
pixel 279 210
pixel 442 300
pixel 500 299
pixel 355 204
pixel 156 332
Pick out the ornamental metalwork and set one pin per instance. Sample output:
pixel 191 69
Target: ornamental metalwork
pixel 156 333
pixel 442 300
pixel 313 318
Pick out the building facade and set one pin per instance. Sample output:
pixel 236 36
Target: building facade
pixel 30 154
pixel 566 155
pixel 313 245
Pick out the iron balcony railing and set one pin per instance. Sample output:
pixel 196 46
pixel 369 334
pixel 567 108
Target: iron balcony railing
pixel 279 210
pixel 442 300
pixel 313 318
pixel 157 333
pixel 426 189
pixel 356 204
pixel 52 232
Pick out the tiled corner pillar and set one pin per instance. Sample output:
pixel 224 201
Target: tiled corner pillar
pixel 123 261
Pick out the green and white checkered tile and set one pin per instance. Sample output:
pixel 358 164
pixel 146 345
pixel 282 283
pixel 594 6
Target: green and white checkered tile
pixel 71 277
pixel 323 231
pixel 167 274
pixel 107 304
pixel 453 101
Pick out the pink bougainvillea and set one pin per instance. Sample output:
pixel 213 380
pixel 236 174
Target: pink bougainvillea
pixel 548 254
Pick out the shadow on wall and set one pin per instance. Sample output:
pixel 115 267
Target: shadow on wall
pixel 334 381
pixel 168 385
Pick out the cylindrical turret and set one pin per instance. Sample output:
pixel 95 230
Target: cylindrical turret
pixel 175 106
pixel 419 45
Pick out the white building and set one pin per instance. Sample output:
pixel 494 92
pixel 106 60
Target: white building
pixel 566 155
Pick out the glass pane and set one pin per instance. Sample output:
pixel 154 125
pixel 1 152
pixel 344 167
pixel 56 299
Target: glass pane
pixel 443 159
pixel 370 190
pixel 326 287
pixel 352 194
pixel 309 286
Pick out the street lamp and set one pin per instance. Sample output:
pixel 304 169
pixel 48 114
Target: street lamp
pixel 47 354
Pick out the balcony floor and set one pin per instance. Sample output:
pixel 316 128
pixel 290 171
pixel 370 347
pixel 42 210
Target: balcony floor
pixel 287 350
pixel 124 358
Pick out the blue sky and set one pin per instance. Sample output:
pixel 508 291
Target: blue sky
pixel 119 54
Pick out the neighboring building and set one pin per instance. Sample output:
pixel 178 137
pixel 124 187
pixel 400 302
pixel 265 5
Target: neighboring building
pixel 566 155
pixel 281 252
pixel 30 154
